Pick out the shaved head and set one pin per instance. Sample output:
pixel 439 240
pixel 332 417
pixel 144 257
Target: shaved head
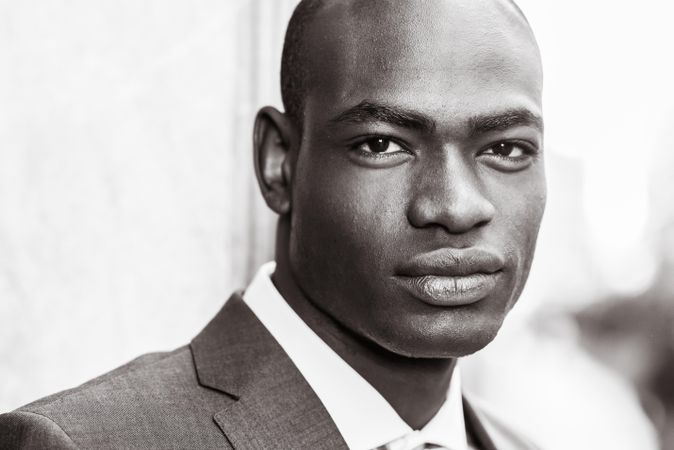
pixel 296 67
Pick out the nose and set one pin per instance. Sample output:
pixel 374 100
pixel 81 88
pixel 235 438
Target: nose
pixel 450 195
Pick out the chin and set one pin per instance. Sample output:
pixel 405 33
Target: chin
pixel 451 339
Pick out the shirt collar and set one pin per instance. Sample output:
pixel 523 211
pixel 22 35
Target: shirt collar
pixel 363 417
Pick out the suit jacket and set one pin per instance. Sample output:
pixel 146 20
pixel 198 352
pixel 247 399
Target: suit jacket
pixel 232 387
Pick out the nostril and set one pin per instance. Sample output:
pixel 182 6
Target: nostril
pixel 482 223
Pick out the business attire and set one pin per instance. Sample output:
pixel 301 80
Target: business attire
pixel 257 377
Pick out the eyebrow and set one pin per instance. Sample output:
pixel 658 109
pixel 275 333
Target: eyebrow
pixel 367 111
pixel 519 117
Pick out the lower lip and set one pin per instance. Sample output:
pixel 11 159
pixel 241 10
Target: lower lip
pixel 450 290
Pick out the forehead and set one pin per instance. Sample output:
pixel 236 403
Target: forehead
pixel 441 56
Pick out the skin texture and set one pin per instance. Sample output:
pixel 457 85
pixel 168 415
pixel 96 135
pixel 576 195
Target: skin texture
pixel 451 91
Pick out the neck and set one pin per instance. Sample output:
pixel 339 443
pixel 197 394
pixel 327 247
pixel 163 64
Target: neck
pixel 414 387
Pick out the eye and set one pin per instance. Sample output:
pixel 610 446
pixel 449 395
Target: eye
pixel 509 156
pixel 507 150
pixel 379 146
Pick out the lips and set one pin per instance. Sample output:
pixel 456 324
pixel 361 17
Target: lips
pixel 451 277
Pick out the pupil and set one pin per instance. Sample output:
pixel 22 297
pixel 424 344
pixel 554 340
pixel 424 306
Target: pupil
pixel 379 145
pixel 504 149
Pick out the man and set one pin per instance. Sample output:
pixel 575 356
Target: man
pixel 408 176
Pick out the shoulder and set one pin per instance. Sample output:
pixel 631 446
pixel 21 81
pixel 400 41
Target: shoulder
pixel 27 430
pixel 152 397
pixel 145 376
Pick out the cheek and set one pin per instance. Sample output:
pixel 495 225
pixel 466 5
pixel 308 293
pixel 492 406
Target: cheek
pixel 344 226
pixel 352 212
pixel 520 201
pixel 532 207
pixel 521 210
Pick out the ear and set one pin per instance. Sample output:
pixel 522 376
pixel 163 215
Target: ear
pixel 274 138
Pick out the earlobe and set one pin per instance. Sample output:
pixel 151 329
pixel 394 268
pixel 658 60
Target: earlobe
pixel 273 140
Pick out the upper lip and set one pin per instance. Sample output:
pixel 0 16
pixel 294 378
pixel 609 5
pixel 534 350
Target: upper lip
pixel 452 262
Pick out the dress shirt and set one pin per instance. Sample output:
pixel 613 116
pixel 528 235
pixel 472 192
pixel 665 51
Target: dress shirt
pixel 364 418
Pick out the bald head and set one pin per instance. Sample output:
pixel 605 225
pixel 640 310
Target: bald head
pixel 297 63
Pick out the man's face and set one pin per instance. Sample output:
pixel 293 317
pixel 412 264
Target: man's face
pixel 419 185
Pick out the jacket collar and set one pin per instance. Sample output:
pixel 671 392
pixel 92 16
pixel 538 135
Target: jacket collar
pixel 271 405
pixel 477 434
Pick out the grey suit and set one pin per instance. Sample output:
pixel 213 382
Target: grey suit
pixel 232 387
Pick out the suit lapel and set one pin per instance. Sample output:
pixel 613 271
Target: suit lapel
pixel 475 429
pixel 271 405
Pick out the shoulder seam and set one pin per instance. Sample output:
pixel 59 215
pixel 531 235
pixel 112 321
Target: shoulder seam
pixel 52 421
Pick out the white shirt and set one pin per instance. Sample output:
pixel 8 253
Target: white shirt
pixel 362 416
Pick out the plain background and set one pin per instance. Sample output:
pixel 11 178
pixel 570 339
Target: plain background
pixel 129 210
